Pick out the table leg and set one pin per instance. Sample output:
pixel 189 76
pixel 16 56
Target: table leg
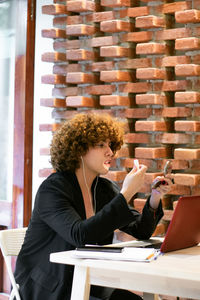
pixel 81 284
pixel 147 296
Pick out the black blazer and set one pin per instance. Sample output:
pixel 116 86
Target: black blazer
pixel 59 223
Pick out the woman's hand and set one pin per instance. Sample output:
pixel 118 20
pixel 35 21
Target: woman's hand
pixel 159 191
pixel 133 182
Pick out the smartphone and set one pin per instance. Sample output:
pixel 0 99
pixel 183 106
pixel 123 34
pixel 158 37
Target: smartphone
pixel 100 249
pixel 167 170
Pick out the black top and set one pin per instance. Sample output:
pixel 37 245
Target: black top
pixel 59 223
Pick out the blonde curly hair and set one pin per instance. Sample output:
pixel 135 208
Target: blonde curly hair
pixel 77 135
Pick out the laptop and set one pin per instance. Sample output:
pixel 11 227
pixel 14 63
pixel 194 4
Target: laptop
pixel 183 230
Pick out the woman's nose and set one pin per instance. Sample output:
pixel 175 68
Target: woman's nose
pixel 109 151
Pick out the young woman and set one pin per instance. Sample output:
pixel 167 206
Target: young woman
pixel 76 206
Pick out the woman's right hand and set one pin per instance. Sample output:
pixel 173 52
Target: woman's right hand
pixel 133 182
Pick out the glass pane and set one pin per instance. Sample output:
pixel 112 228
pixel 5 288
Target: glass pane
pixel 7 69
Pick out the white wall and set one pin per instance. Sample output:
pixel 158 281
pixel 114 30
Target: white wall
pixel 42 115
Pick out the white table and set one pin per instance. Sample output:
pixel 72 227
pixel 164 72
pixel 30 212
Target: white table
pixel 175 273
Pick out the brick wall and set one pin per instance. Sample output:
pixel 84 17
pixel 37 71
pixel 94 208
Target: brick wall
pixel 140 61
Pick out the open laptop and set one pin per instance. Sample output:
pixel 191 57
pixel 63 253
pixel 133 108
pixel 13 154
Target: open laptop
pixel 183 230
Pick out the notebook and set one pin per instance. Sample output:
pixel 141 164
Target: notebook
pixel 183 230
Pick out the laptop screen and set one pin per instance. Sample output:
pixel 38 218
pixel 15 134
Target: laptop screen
pixel 184 228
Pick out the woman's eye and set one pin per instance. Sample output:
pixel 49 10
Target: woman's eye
pixel 101 145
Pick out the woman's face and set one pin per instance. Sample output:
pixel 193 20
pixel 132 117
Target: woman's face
pixel 98 159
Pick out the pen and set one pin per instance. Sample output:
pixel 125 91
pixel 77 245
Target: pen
pixel 150 256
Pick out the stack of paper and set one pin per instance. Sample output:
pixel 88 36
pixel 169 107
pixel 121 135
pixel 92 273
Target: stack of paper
pixel 127 253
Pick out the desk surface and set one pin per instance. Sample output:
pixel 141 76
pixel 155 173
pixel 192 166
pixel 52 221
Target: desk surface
pixel 175 273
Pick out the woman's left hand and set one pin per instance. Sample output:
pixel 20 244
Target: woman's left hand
pixel 162 189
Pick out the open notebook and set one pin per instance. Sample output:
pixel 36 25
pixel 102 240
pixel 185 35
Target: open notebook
pixel 116 253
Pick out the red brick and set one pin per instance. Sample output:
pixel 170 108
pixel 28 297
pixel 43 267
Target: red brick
pixel 149 177
pixel 187 179
pixel 173 112
pixel 156 152
pixel 52 102
pixel 195 190
pixel 115 100
pixel 49 127
pixel 80 29
pixel 68 91
pixel 187 70
pixel 196 112
pixel 190 43
pixel 183 153
pixel 53 33
pixel 160 230
pixel 123 152
pixel 137 138
pixel 80 54
pixel 80 77
pixel 69 44
pixel 134 12
pixel 150 73
pixel 149 22
pixel 115 75
pixel 145 99
pixel 128 162
pixel 115 26
pixel 176 164
pixel 102 66
pixel 100 89
pixel 53 57
pixel 180 190
pixel 187 97
pixel 196 59
pixel 135 63
pixel 75 19
pixel 188 16
pixel 81 101
pixel 60 21
pixel 197 139
pixel 137 87
pixel 104 41
pixel 150 48
pixel 80 6
pixel 187 125
pixel 116 175
pixel 53 79
pixel 195 164
pixel 167 86
pixel 176 6
pixel 45 172
pixel 103 16
pixel 63 69
pixel 137 113
pixel 172 34
pixel 137 37
pixel 115 3
pixel 54 9
pixel 172 61
pixel 172 138
pixel 151 126
pixel 114 51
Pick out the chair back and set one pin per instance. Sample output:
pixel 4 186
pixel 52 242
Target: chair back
pixel 11 241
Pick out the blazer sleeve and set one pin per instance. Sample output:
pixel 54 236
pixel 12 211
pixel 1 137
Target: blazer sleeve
pixel 55 205
pixel 144 224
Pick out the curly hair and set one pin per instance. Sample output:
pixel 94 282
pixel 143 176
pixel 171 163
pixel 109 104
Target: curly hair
pixel 74 138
